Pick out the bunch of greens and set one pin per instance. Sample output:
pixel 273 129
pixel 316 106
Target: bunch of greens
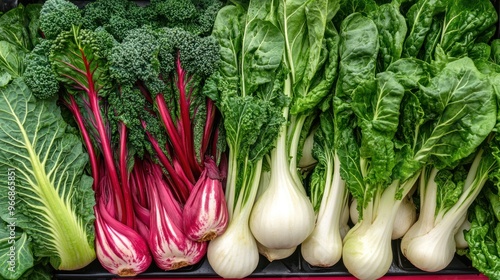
pixel 132 82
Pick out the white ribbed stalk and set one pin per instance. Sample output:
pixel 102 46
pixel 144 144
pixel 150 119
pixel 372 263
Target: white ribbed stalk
pixel 323 247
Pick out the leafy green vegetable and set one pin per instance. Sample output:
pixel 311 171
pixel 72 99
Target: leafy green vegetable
pixel 247 90
pixel 15 251
pixel 53 198
pixel 484 235
pixel 392 29
pixel 11 59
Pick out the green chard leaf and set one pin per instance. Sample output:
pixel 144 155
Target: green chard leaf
pixel 13 28
pixel 419 18
pixel 465 103
pixel 11 59
pixel 392 29
pixel 484 235
pixel 247 90
pixel 463 23
pixel 358 53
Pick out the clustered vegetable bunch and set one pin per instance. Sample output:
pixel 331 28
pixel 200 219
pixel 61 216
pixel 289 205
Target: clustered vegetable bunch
pixel 182 129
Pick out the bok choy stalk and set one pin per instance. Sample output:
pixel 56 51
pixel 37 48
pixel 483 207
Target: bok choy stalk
pixel 381 166
pixel 323 247
pixel 283 216
pixel 445 197
pixel 247 90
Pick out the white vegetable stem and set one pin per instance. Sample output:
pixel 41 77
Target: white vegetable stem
pixel 430 242
pixel 283 215
pixel 323 247
pixel 234 254
pixel 367 251
pixel 405 218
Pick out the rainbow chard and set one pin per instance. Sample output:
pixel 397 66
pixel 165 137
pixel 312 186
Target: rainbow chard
pixel 170 247
pixel 120 249
pixel 205 214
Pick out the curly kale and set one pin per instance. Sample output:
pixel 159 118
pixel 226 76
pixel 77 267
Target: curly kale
pixel 39 76
pixel 57 16
pixel 116 16
pixel 196 17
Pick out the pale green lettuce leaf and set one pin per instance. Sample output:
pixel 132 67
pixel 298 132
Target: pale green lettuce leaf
pixel 54 199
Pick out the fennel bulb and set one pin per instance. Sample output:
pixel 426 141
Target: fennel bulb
pixel 367 251
pixel 430 243
pixel 275 254
pixel 234 254
pixel 323 247
pixel 282 216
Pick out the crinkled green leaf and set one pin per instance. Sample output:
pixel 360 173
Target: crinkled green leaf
pixel 449 188
pixel 392 29
pixel 312 46
pixel 74 60
pixel 464 21
pixel 411 72
pixel 460 106
pixel 321 84
pixel 419 18
pixel 484 235
pixel 358 53
pixel 13 28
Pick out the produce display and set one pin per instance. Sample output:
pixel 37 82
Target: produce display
pixel 170 133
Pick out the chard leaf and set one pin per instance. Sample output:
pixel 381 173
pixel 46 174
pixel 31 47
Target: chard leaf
pixel 262 52
pixel 74 60
pixel 54 199
pixel 358 53
pixel 348 7
pixel 229 34
pixel 484 235
pixel 311 49
pixel 432 39
pixel 320 84
pixel 391 26
pixel 411 72
pixel 377 110
pixel 449 188
pixel 464 21
pixel 13 30
pixel 420 17
pixel 460 106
